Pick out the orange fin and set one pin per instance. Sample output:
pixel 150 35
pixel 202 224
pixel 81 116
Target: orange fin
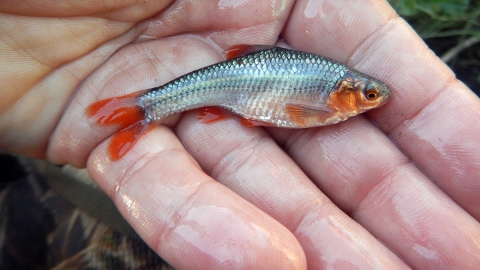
pixel 299 113
pixel 255 123
pixel 125 112
pixel 213 114
pixel 126 138
pixel 244 49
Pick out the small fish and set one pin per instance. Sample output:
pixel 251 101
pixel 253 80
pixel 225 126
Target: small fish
pixel 266 85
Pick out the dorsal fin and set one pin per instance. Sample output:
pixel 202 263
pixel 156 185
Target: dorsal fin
pixel 244 49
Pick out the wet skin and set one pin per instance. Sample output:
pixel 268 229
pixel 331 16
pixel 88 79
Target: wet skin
pixel 396 192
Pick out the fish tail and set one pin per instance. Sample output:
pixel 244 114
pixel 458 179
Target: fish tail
pixel 125 112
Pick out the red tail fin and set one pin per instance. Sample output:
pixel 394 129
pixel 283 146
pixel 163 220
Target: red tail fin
pixel 126 138
pixel 125 112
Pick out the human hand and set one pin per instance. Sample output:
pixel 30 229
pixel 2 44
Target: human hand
pixel 224 195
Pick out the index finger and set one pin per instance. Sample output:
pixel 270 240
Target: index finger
pixel 190 220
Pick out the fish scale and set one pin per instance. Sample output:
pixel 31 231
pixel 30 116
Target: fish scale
pixel 268 86
pixel 300 76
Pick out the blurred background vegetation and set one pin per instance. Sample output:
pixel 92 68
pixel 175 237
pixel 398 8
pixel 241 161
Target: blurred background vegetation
pixel 451 28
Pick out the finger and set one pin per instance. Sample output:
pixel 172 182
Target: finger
pixel 250 163
pixel 152 63
pixel 190 220
pixel 226 23
pixel 358 167
pixel 45 57
pixel 120 11
pixel 363 173
pixel 432 117
pixel 139 66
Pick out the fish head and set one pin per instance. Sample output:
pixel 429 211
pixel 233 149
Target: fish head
pixel 355 93
pixel 371 93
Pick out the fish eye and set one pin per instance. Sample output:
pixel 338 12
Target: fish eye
pixel 371 94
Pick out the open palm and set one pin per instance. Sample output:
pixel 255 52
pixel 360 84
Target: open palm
pixel 402 191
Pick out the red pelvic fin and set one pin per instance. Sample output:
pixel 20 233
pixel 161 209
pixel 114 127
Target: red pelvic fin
pixel 125 112
pixel 244 49
pixel 255 123
pixel 213 114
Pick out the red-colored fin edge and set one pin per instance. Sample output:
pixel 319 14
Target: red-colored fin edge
pixel 299 113
pixel 126 138
pixel 213 114
pixel 244 49
pixel 125 112
pixel 255 123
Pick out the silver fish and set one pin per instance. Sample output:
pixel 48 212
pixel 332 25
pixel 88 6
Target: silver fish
pixel 267 86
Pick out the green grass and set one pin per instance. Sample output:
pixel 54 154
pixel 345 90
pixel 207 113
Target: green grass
pixel 440 18
pixel 452 30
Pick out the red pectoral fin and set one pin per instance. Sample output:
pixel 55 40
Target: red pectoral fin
pixel 300 113
pixel 244 49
